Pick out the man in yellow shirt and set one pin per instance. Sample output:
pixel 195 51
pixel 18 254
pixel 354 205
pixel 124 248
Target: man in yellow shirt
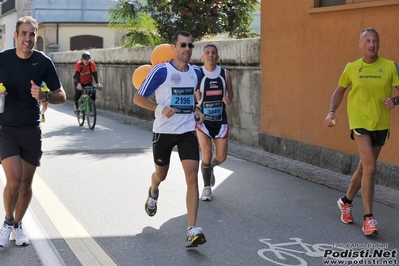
pixel 372 79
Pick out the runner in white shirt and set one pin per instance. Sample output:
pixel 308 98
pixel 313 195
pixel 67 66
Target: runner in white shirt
pixel 176 116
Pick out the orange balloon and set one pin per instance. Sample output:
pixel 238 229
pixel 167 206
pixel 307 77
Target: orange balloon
pixel 161 53
pixel 140 74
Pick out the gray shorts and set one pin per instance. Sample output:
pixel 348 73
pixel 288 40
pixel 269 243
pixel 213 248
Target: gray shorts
pixel 23 141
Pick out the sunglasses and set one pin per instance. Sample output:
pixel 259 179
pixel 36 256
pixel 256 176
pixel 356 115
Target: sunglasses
pixel 184 45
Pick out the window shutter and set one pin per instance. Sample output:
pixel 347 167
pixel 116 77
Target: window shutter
pixel 332 2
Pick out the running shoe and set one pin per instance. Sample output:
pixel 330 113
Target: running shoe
pixel 195 237
pixel 206 194
pixel 370 226
pixel 151 204
pixel 212 178
pixel 5 235
pixel 346 211
pixel 75 109
pixel 19 236
pixel 42 118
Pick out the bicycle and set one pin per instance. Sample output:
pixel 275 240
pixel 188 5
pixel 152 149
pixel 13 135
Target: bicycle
pixel 279 255
pixel 87 107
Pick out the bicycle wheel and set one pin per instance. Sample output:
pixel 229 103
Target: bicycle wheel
pixel 288 260
pixel 80 114
pixel 91 114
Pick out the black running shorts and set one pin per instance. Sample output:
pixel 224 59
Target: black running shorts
pixel 214 131
pixel 162 145
pixel 378 137
pixel 23 141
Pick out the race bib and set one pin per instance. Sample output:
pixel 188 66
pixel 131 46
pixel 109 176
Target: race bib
pixel 183 100
pixel 213 110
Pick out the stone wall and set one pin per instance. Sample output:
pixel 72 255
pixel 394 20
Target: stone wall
pixel 116 67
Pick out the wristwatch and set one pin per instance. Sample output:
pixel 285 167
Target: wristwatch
pixel 395 101
pixel 48 96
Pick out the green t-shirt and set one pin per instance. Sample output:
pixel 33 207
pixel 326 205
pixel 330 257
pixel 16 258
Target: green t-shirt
pixel 371 83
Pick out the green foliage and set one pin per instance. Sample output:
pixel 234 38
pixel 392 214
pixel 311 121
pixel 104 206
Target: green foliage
pixel 239 15
pixel 149 22
pixel 131 17
pixel 205 17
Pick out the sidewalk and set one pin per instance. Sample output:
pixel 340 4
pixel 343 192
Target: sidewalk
pixel 331 179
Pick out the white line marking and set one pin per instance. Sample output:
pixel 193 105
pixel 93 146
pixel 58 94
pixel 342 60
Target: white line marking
pixel 78 239
pixel 44 248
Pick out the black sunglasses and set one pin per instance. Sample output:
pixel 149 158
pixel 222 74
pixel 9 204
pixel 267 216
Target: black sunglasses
pixel 184 45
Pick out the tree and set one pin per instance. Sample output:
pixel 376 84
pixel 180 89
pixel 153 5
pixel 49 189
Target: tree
pixel 239 15
pixel 150 22
pixel 131 17
pixel 200 18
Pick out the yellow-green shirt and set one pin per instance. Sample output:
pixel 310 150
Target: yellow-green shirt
pixel 371 83
pixel 44 87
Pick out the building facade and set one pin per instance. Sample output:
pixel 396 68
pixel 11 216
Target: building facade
pixel 63 25
pixel 305 46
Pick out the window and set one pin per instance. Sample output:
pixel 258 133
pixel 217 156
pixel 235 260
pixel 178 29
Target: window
pixel 84 42
pixel 39 44
pixel 323 3
pixel 321 6
pixel 7 6
pixel 331 2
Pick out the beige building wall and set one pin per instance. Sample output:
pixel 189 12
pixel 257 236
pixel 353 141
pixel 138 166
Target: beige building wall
pixel 67 31
pixel 49 32
pixel 79 12
pixel 8 26
pixel 304 49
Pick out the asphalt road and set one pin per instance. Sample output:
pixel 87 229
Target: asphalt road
pixel 89 194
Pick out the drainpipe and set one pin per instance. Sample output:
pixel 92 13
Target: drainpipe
pixel 83 10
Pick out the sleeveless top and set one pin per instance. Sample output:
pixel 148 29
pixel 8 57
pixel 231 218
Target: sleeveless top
pixel 176 91
pixel 213 88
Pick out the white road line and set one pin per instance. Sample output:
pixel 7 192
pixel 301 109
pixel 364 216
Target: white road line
pixel 78 239
pixel 46 251
pixel 44 248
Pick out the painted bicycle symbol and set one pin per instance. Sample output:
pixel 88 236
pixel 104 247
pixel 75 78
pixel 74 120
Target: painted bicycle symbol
pixel 280 254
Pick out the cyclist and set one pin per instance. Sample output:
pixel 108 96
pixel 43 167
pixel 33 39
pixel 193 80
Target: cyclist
pixel 85 72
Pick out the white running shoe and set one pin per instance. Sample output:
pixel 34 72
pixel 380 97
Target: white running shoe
pixel 19 236
pixel 151 204
pixel 5 235
pixel 206 194
pixel 195 237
